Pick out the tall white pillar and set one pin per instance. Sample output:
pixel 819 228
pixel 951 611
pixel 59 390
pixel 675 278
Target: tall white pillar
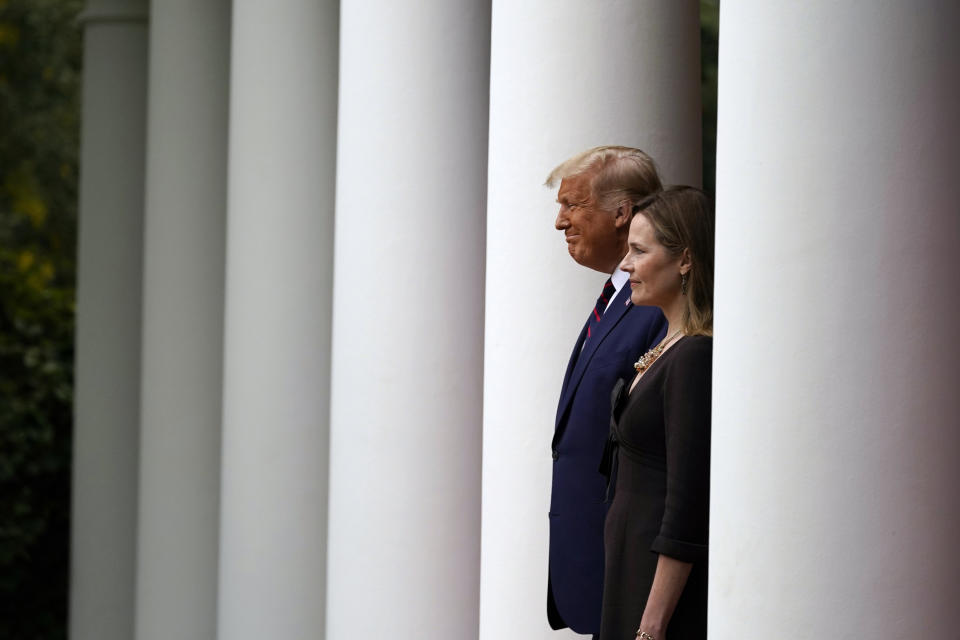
pixel 183 320
pixel 408 320
pixel 107 369
pixel 564 77
pixel 277 328
pixel 835 442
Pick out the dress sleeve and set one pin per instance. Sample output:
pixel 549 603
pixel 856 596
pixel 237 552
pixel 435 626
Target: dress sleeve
pixel 686 409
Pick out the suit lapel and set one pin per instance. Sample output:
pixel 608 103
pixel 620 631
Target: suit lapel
pixel 571 364
pixel 579 361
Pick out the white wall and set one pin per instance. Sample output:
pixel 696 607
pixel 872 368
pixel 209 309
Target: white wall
pixel 564 77
pixel 182 342
pixel 277 322
pixel 408 321
pixel 109 268
pixel 835 403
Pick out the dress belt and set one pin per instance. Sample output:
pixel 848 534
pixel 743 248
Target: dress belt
pixel 610 459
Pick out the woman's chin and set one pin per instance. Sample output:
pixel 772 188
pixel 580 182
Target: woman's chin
pixel 643 301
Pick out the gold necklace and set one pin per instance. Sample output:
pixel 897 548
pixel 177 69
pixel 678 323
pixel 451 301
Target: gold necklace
pixel 650 356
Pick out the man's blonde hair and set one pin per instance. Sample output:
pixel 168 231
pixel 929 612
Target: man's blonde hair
pixel 621 175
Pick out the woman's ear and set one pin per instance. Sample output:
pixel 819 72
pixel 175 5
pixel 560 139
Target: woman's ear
pixel 685 261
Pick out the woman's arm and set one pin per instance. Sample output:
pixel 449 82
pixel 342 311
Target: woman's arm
pixel 682 539
pixel 668 582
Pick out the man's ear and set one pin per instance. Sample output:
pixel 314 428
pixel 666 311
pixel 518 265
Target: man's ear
pixel 622 217
pixel 685 262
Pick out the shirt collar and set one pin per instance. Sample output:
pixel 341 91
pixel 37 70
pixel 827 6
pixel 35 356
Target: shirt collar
pixel 619 278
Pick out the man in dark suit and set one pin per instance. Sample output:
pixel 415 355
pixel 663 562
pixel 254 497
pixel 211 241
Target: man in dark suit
pixel 597 190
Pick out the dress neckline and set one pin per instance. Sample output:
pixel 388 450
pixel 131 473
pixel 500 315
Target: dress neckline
pixel 635 383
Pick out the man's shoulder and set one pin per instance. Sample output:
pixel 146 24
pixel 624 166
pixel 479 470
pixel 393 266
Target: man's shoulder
pixel 645 316
pixel 644 310
pixel 638 327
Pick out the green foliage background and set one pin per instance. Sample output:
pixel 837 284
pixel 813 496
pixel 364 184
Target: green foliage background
pixel 40 64
pixel 709 46
pixel 39 110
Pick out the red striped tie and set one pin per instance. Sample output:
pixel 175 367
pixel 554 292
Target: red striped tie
pixel 597 314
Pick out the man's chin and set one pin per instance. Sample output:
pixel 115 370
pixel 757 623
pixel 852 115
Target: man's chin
pixel 585 261
pixel 581 260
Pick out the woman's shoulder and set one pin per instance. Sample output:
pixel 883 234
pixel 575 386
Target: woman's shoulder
pixel 693 349
pixel 696 343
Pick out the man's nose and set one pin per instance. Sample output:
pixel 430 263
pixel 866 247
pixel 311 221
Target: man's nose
pixel 561 222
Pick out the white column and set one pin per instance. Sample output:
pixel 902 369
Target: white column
pixel 277 328
pixel 106 405
pixel 182 321
pixel 565 77
pixel 408 321
pixel 836 449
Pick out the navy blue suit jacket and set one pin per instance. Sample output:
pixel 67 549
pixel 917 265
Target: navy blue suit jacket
pixel 577 506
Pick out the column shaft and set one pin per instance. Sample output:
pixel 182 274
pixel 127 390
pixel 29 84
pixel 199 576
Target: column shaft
pixel 106 405
pixel 277 332
pixel 181 389
pixel 836 446
pixel 564 78
pixel 408 323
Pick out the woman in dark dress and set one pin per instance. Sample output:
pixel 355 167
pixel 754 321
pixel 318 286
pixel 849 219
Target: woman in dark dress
pixel 655 585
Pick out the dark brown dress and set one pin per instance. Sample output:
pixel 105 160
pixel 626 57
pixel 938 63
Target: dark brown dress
pixel 662 493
